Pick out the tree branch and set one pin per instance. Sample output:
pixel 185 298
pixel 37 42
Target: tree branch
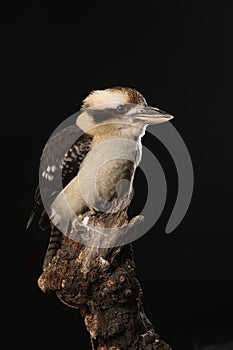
pixel 101 283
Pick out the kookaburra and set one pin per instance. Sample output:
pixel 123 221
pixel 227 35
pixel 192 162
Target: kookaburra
pixel 112 122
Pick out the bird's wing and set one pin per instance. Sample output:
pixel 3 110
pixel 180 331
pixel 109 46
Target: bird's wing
pixel 60 163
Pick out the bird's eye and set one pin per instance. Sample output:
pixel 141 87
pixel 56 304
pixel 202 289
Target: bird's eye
pixel 122 108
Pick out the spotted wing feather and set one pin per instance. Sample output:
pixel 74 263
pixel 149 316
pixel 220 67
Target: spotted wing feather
pixel 59 163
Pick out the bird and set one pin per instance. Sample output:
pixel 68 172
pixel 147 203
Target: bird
pixel 94 158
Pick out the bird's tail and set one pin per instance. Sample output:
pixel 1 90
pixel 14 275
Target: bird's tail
pixel 55 242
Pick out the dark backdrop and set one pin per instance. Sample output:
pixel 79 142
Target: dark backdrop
pixel 177 54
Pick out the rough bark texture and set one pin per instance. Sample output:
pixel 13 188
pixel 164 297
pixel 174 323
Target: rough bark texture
pixel 102 284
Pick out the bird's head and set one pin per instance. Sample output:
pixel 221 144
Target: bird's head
pixel 118 108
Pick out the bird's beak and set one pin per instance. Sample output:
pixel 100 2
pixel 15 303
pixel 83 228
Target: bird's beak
pixel 151 115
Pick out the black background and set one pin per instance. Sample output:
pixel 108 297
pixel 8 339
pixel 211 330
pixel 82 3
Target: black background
pixel 178 54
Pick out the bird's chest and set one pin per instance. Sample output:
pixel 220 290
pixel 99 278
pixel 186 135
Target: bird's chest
pixel 108 169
